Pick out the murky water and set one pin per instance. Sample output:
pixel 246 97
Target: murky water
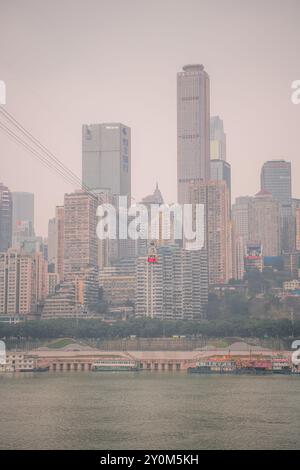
pixel 148 411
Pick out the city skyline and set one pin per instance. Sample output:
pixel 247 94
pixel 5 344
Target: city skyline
pixel 149 228
pixel 145 98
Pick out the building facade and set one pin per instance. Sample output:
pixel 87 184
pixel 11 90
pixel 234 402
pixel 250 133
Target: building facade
pixel 80 239
pixel 6 206
pixel 174 286
pixel 23 209
pixel 220 170
pixel 217 139
pixel 296 215
pixel 60 241
pixel 23 282
pixel 193 128
pixel 266 223
pixel 118 283
pixel 52 241
pixel 276 178
pixel 242 217
pixel 106 158
pixel 218 230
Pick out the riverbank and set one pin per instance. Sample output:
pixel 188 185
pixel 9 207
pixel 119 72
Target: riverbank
pixel 77 357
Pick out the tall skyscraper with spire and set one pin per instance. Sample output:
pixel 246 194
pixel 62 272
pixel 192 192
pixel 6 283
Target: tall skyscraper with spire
pixel 193 128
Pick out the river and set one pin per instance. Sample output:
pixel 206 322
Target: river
pixel 124 410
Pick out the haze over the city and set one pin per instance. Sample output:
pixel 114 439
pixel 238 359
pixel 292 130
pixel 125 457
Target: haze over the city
pixel 74 62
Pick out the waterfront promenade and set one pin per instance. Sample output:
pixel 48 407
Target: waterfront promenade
pixel 80 358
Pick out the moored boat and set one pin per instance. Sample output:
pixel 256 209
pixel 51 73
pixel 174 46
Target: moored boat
pixel 110 365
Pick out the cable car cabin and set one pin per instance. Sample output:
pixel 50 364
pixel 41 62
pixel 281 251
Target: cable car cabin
pixel 152 259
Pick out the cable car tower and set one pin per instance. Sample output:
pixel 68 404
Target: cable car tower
pixel 152 253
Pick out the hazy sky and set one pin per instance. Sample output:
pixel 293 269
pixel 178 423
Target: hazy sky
pixel 68 62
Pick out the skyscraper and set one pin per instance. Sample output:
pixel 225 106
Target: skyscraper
pixel 80 239
pixel 52 241
pixel 60 242
pixel 56 242
pixel 193 128
pixel 297 223
pixel 257 220
pixel 5 218
pixel 118 284
pixel 296 215
pixel 241 215
pixel 106 158
pixel 266 223
pixel 218 231
pixel 238 253
pixel 149 289
pixel 23 209
pixel 217 139
pixel 22 282
pixel 158 224
pixel 175 287
pixel 220 170
pixel 276 179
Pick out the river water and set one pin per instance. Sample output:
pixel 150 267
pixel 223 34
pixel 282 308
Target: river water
pixel 124 410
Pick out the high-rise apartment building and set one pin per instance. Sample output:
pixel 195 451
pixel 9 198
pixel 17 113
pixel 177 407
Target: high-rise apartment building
pixel 118 283
pixel 149 289
pixel 56 242
pixel 76 258
pixel 111 250
pixel 80 239
pixel 162 226
pixel 60 241
pixel 297 225
pixel 174 287
pixel 238 255
pixel 241 216
pixel 220 170
pixel 218 231
pixel 61 304
pixel 257 220
pixel 276 179
pixel 106 158
pixel 266 223
pixel 86 289
pixel 193 128
pixel 217 139
pixel 5 218
pixel 52 282
pixel 296 216
pixel 23 280
pixel 52 241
